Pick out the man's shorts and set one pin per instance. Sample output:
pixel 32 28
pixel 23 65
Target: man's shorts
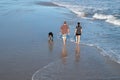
pixel 64 36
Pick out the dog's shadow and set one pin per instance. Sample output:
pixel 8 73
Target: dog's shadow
pixel 50 45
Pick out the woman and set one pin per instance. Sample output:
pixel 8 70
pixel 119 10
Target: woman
pixel 78 32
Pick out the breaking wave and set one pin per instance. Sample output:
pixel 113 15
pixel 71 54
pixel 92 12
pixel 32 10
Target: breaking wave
pixel 108 18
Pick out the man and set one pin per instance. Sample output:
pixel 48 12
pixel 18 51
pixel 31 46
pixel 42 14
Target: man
pixel 64 30
pixel 78 32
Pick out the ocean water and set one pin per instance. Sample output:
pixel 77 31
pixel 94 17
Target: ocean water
pixel 100 20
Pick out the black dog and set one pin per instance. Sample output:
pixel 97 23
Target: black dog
pixel 50 36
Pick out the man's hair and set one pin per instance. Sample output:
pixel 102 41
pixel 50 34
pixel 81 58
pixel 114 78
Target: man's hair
pixel 64 22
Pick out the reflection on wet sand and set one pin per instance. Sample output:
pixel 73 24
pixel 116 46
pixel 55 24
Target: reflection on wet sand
pixel 64 54
pixel 77 53
pixel 50 45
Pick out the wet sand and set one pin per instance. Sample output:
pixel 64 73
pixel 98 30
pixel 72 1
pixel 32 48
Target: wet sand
pixel 24 49
pixel 79 62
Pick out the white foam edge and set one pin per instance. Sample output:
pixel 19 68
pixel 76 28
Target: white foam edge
pixel 113 21
pixel 104 53
pixel 108 18
pixel 74 8
pixel 41 69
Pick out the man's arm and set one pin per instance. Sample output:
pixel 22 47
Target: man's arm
pixel 68 31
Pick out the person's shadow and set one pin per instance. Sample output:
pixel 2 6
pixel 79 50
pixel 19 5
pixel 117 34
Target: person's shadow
pixel 77 53
pixel 64 54
pixel 50 45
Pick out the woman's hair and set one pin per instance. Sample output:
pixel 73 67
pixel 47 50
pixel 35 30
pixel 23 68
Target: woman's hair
pixel 78 23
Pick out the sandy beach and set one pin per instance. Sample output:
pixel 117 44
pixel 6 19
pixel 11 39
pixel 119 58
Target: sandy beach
pixel 26 53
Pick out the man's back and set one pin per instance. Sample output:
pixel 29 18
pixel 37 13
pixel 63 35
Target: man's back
pixel 64 29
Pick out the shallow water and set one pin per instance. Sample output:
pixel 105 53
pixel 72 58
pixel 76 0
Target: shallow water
pixel 100 22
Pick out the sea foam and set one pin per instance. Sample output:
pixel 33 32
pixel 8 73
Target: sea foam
pixel 108 18
pixel 78 10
